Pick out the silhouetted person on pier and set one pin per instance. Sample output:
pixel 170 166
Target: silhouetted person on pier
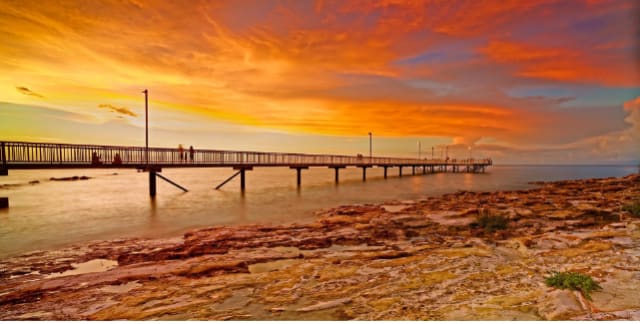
pixel 191 153
pixel 181 150
pixel 95 159
pixel 117 160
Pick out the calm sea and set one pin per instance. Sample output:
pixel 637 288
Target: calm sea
pixel 116 204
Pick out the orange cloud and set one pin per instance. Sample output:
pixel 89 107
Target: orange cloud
pixel 336 67
pixel 562 64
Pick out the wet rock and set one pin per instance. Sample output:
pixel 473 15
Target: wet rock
pixel 559 305
pixel 363 262
pixel 73 178
pixel 619 292
pixel 325 305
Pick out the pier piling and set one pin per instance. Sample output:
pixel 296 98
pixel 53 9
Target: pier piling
pixel 242 185
pixel 299 174
pixel 364 172
pixel 4 171
pixel 242 170
pixel 3 161
pixel 337 171
pixel 152 183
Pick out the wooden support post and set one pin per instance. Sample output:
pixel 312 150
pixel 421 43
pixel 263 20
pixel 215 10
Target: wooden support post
pixel 424 169
pixel 3 161
pixel 337 171
pixel 298 173
pixel 385 171
pixel 400 171
pixel 364 173
pixel 171 182
pixel 228 179
pixel 413 170
pixel 152 183
pixel 242 169
pixel 4 201
pixel 242 186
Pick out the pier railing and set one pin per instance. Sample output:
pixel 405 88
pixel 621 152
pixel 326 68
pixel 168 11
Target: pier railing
pixel 52 155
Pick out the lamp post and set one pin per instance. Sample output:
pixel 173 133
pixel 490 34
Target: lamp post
pixel 370 148
pixel 432 152
pixel 146 126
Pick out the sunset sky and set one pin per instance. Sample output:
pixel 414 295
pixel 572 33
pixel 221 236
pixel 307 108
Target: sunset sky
pixel 532 81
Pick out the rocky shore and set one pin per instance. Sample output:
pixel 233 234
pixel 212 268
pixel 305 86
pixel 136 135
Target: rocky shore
pixel 429 259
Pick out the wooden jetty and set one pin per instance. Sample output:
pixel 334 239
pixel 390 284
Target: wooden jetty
pixel 30 155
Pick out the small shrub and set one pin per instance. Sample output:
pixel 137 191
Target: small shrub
pixel 633 208
pixel 491 223
pixel 573 281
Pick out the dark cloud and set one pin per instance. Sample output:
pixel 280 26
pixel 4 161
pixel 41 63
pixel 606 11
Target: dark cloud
pixel 558 101
pixel 119 110
pixel 28 92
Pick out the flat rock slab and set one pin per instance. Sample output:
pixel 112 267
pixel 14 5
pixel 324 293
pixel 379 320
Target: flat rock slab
pixel 364 262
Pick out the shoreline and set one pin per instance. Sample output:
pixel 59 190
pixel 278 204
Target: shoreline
pixel 421 259
pixel 29 226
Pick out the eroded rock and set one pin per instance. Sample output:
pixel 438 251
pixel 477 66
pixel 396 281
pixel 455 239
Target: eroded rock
pixel 415 260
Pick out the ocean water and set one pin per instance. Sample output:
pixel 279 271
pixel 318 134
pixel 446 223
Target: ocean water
pixel 115 203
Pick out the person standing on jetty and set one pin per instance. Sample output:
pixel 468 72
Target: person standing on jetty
pixel 191 153
pixel 95 159
pixel 181 150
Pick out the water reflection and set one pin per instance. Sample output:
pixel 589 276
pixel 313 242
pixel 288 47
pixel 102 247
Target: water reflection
pixel 153 217
pixel 468 180
pixel 109 206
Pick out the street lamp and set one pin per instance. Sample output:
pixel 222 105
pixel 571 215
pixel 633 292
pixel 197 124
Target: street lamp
pixel 146 126
pixel 432 152
pixel 370 146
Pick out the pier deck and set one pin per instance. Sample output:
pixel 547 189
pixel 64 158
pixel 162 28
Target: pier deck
pixel 30 155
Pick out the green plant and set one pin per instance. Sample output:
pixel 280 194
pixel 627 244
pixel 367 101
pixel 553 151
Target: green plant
pixel 573 281
pixel 491 223
pixel 633 208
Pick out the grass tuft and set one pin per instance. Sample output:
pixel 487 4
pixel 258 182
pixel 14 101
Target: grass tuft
pixel 491 223
pixel 633 208
pixel 573 281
